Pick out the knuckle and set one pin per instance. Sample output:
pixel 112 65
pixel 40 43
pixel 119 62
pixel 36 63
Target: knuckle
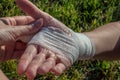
pixel 44 70
pixel 64 60
pixel 30 74
pixel 5 21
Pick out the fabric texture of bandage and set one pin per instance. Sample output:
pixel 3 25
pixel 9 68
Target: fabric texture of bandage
pixel 74 46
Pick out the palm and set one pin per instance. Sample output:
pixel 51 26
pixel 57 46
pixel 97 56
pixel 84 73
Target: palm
pixel 10 49
pixel 49 64
pixel 36 13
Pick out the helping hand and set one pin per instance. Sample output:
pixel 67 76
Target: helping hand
pixel 11 28
pixel 36 59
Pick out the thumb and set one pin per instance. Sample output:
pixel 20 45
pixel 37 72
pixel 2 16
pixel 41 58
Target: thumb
pixel 27 29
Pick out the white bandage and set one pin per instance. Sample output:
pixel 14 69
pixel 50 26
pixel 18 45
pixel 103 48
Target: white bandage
pixel 73 46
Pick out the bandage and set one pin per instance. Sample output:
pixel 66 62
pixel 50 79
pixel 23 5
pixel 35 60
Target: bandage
pixel 74 46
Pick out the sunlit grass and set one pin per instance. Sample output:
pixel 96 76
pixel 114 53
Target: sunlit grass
pixel 79 15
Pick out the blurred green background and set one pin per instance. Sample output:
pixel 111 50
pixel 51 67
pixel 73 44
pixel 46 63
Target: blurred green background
pixel 79 15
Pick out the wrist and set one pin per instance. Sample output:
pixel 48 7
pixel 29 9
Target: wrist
pixel 86 47
pixel 72 46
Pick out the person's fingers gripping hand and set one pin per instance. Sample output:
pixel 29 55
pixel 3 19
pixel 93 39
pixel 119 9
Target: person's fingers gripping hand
pixel 8 25
pixel 16 20
pixel 10 34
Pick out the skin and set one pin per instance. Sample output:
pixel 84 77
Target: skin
pixel 12 28
pixel 39 60
pixel 106 43
pixel 35 58
pixel 2 76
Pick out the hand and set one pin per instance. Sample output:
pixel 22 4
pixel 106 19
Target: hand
pixel 12 28
pixel 36 59
pixel 2 76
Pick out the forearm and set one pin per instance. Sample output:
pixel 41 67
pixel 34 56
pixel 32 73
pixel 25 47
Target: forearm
pixel 2 76
pixel 107 41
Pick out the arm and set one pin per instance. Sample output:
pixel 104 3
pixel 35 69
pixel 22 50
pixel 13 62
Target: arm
pixel 2 76
pixel 13 28
pixel 69 44
pixel 107 41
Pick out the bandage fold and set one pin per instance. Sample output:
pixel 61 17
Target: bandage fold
pixel 74 46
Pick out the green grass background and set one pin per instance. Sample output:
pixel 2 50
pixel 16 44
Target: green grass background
pixel 79 15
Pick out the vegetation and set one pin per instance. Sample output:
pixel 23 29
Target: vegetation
pixel 79 15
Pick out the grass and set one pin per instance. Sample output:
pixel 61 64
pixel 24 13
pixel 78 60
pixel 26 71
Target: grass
pixel 79 15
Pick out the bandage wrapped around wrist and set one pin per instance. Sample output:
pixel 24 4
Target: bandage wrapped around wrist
pixel 74 46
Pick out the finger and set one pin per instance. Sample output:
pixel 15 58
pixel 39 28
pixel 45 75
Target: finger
pixel 9 51
pixel 17 20
pixel 30 9
pixel 26 30
pixel 26 58
pixel 63 59
pixel 34 65
pixel 48 64
pixel 14 33
pixel 58 69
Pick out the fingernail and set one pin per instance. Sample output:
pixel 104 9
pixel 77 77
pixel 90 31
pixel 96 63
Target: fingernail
pixel 38 23
pixel 21 68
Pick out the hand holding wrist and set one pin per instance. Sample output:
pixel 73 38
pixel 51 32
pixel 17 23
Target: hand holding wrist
pixel 73 45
